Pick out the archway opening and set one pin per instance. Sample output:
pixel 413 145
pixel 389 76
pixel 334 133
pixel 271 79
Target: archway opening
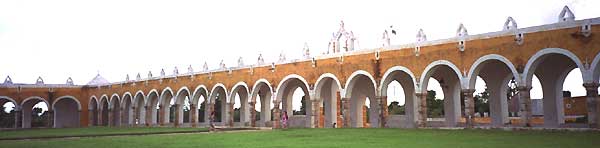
pixel 154 108
pixel 444 105
pixel 241 111
pixel 329 110
pixel 360 90
pixel 575 100
pixel 140 111
pixel 104 111
pixel 219 97
pixel 66 113
pixel 127 113
pixel 292 93
pixel 93 112
pixel 398 92
pixel 35 113
pixel 7 114
pixel 261 93
pixel 552 70
pixel 116 111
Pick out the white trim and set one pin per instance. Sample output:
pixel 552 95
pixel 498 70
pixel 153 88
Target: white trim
pixel 197 92
pixel 426 73
pixel 594 66
pixel 135 98
pixel 95 99
pixel 162 95
pixel 17 107
pixel 349 83
pixel 37 97
pixel 490 57
pixel 123 98
pixel 67 96
pixel 328 75
pixel 533 62
pixel 235 89
pixel 213 91
pixel 387 74
pixel 104 97
pixel 183 88
pixel 155 92
pixel 255 88
pixel 110 102
pixel 285 80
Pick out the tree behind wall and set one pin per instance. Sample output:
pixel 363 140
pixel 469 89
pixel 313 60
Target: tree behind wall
pixel 396 109
pixel 435 107
pixel 7 120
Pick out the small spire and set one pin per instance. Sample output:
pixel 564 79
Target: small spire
pixel 40 81
pixel 205 67
pixel 138 77
pixel 190 70
pixel 261 60
pixel 8 81
pixel 162 72
pixel 127 78
pixel 149 74
pixel 240 62
pixel 69 81
pixel 175 71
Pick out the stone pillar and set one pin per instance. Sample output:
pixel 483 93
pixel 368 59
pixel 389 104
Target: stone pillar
pixel 148 115
pixel 210 107
pixel 194 115
pixel 315 113
pixel 276 114
pixel 161 115
pixel 338 101
pixel 178 115
pixel 18 118
pixel 252 114
pixel 134 117
pixel 382 109
pixel 346 111
pixel 230 120
pixel 110 118
pixel 50 118
pixel 90 117
pixel 592 104
pixel 422 109
pixel 525 105
pixel 469 107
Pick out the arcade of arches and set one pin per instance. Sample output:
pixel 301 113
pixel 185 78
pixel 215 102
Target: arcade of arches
pixel 349 89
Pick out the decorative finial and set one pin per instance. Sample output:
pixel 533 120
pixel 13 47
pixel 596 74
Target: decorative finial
pixel 8 81
pixel 138 77
pixel 127 78
pixel 240 62
pixel 39 81
pixel 162 72
pixel 222 65
pixel 461 31
pixel 150 74
pixel 69 81
pixel 205 67
pixel 421 37
pixel 566 15
pixel 281 57
pixel 510 24
pixel 306 51
pixel 261 60
pixel 175 71
pixel 190 70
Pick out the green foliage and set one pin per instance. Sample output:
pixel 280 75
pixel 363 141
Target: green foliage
pixel 7 120
pixel 396 109
pixel 236 115
pixel 201 111
pixel 435 107
pixel 39 118
pixel 218 111
pixel 482 102
pixel 302 110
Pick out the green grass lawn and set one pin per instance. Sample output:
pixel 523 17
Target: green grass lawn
pixel 343 138
pixel 90 131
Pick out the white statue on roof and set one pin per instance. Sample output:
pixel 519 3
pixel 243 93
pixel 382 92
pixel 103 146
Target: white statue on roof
pixel 222 65
pixel 175 71
pixel 39 81
pixel 138 77
pixel 7 81
pixel 261 60
pixel 162 72
pixel 205 67
pixel 149 74
pixel 127 78
pixel 69 81
pixel 342 40
pixel 190 70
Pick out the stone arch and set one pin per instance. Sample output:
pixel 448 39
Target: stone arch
pixel 139 111
pixel 180 97
pixel 285 92
pixel 360 86
pixel 328 94
pixel 408 83
pixel 496 71
pixel 219 91
pixel 450 78
pixel 6 99
pixel 96 103
pixel 266 99
pixel 127 109
pixel 551 66
pixel 594 70
pixel 200 91
pixel 104 110
pixel 241 89
pixel 93 111
pixel 27 107
pixel 115 108
pixel 165 105
pixel 152 103
pixel 67 111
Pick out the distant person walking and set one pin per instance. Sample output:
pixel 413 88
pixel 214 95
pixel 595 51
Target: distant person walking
pixel 284 119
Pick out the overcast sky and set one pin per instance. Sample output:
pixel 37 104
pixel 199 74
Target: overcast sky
pixel 79 38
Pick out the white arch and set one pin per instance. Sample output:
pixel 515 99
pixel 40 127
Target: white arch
pixel 104 97
pixel 255 88
pixel 593 70
pixel 148 101
pixel 95 99
pixel 236 88
pixel 291 76
pixel 475 67
pixel 63 97
pixel 17 107
pixel 213 91
pixel 184 88
pixel 394 69
pixel 328 75
pixel 162 94
pixel 426 73
pixel 37 97
pixel 139 92
pixel 349 82
pixel 110 105
pixel 533 61
pixel 126 94
pixel 197 91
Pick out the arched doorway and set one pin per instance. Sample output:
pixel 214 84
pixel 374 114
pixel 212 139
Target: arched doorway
pixel 66 112
pixel 360 95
